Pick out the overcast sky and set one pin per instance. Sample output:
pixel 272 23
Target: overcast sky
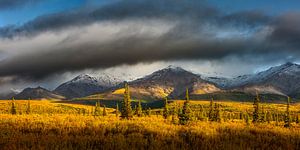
pixel 46 42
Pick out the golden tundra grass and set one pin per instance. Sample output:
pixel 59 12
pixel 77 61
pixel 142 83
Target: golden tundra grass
pixel 53 128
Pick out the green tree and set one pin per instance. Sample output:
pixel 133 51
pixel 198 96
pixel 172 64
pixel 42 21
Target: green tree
pixel 139 109
pixel 247 119
pixel 13 110
pixel 97 111
pixel 117 110
pixel 268 117
pixel 175 114
pixel 256 115
pixel 126 112
pixel 166 112
pixel 287 120
pixel 276 119
pixel 211 109
pixel 217 115
pixel 104 111
pixel 148 112
pixel 297 118
pixel 28 108
pixel 185 115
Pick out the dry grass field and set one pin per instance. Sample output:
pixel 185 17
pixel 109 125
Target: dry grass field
pixel 55 125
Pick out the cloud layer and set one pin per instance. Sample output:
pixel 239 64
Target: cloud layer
pixel 134 31
pixel 9 4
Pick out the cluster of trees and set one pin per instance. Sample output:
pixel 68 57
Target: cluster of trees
pixel 184 114
pixel 260 115
pixel 97 110
pixel 13 109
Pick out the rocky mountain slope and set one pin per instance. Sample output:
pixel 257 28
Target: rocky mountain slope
pixel 37 93
pixel 84 85
pixel 171 81
pixel 282 80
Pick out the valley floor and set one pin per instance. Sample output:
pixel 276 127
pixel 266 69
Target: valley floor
pixel 88 132
pixel 58 127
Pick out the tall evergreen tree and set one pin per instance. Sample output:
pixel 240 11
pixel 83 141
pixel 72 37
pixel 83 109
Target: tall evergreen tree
pixel 117 110
pixel 13 110
pixel 139 109
pixel 97 111
pixel 148 112
pixel 263 115
pixel 28 108
pixel 276 119
pixel 166 109
pixel 211 113
pixel 104 113
pixel 175 114
pixel 256 115
pixel 287 120
pixel 268 117
pixel 217 115
pixel 185 115
pixel 126 112
pixel 247 119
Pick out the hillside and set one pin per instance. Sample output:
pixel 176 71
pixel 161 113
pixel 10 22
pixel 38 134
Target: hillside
pixel 37 93
pixel 169 82
pixel 84 85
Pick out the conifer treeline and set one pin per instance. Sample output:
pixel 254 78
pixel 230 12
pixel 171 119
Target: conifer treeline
pixel 186 113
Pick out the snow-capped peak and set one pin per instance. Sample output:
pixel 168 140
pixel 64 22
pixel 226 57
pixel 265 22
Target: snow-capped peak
pixel 287 69
pixel 174 68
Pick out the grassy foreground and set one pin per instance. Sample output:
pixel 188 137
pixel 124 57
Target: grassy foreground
pixel 60 126
pixel 87 132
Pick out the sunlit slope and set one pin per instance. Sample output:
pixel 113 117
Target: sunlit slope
pixel 46 107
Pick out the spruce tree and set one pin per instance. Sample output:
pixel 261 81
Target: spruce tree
pixel 139 109
pixel 126 112
pixel 287 120
pixel 297 118
pixel 201 113
pixel 13 107
pixel 217 115
pixel 148 112
pixel 268 117
pixel 256 115
pixel 185 115
pixel 166 109
pixel 175 114
pixel 117 110
pixel 276 119
pixel 104 111
pixel 247 119
pixel 211 113
pixel 263 115
pixel 28 108
pixel 97 111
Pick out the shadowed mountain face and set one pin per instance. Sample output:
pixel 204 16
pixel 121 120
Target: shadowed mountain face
pixel 37 93
pixel 169 82
pixel 84 85
pixel 283 80
pixel 172 82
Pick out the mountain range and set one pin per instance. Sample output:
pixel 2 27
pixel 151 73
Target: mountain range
pixel 171 82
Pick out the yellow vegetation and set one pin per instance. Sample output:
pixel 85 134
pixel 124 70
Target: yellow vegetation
pixel 56 125
pixel 119 91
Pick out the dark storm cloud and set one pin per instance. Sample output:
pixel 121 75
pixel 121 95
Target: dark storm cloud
pixel 199 32
pixel 133 9
pixel 8 4
pixel 140 49
pixel 286 31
